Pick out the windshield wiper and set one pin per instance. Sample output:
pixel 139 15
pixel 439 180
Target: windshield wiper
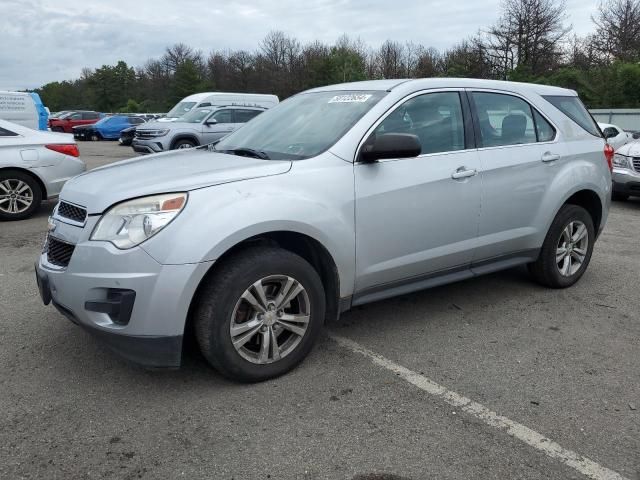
pixel 247 152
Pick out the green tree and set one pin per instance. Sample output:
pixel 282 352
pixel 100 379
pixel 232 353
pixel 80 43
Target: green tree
pixel 186 81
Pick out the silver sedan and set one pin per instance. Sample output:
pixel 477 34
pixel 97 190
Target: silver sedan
pixel 34 165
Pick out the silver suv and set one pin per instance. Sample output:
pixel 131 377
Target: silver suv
pixel 337 197
pixel 198 127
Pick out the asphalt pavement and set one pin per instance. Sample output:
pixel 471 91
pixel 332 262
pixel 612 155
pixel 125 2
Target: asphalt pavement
pixel 562 364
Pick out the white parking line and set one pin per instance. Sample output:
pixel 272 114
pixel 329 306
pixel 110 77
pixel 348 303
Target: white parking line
pixel 582 464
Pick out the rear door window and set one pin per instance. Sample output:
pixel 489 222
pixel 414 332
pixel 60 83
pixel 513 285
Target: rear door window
pixel 243 116
pixel 573 108
pixel 504 120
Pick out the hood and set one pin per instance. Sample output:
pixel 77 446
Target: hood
pixel 631 149
pixel 156 125
pixel 177 171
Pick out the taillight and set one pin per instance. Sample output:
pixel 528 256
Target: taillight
pixel 608 154
pixel 70 149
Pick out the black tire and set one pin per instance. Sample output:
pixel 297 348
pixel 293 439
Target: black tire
pixel 619 197
pixel 545 269
pixel 57 129
pixel 12 177
pixel 95 137
pixel 184 143
pixel 222 290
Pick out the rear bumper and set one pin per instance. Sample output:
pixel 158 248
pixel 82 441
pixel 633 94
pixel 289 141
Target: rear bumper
pixel 54 177
pixel 626 182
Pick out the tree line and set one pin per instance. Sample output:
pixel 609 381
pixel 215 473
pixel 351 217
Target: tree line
pixel 531 42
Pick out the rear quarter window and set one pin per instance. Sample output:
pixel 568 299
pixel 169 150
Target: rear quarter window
pixel 573 108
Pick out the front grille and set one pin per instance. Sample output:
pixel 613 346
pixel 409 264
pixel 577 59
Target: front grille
pixel 59 252
pixel 144 134
pixel 636 163
pixel 77 214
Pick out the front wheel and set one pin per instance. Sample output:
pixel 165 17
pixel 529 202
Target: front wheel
pixel 182 144
pixel 259 314
pixel 567 249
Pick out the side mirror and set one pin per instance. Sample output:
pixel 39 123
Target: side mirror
pixel 211 121
pixel 390 145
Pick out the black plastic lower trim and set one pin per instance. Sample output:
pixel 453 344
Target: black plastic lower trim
pixel 629 188
pixel 147 351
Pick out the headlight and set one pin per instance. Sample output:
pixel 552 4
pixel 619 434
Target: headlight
pixel 621 161
pixel 155 133
pixel 132 222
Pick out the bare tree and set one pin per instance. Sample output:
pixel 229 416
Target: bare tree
pixel 529 35
pixel 389 60
pixel 617 35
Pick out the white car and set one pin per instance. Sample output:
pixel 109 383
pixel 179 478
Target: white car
pixel 34 165
pixel 616 137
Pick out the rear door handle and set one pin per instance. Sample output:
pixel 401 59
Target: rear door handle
pixel 548 157
pixel 464 172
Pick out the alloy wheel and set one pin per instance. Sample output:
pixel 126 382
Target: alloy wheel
pixel 16 196
pixel 572 248
pixel 270 319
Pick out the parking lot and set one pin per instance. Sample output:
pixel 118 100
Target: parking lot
pixel 385 392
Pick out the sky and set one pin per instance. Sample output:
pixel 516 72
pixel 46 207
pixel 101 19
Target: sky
pixel 43 41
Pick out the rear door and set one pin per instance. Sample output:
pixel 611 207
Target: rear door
pixel 520 156
pixel 419 216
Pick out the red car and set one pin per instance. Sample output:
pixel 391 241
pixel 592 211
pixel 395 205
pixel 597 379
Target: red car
pixel 72 119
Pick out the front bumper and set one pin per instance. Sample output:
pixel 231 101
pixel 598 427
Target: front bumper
pixel 147 146
pixel 150 333
pixel 626 182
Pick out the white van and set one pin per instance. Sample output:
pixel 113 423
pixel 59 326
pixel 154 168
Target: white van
pixel 210 99
pixel 23 108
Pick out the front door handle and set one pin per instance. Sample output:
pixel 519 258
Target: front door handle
pixel 548 157
pixel 464 172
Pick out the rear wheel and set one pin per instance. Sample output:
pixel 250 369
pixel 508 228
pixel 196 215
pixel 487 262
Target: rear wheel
pixel 182 144
pixel 20 195
pixel 259 314
pixel 567 249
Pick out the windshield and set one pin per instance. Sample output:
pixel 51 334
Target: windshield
pixel 180 109
pixel 196 115
pixel 302 126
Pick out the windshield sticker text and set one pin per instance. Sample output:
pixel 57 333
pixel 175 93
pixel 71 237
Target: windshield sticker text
pixel 350 98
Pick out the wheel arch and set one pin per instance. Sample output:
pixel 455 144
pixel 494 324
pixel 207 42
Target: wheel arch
pixel 184 136
pixel 591 202
pixel 309 248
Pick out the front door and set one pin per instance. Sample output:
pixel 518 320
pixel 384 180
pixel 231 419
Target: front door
pixel 217 125
pixel 419 216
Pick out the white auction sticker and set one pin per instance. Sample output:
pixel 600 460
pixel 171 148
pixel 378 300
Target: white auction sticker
pixel 351 98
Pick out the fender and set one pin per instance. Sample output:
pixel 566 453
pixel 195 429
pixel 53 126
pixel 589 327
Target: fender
pixel 592 177
pixel 298 201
